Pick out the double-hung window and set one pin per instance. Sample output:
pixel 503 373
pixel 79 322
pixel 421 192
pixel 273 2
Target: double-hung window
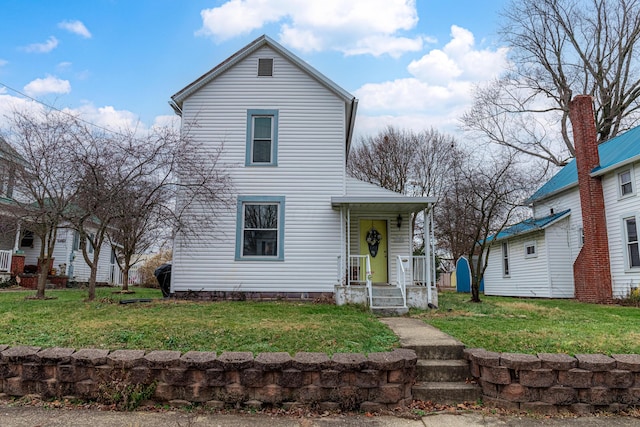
pixel 260 231
pixel 262 138
pixel 631 237
pixel 626 183
pixel 505 259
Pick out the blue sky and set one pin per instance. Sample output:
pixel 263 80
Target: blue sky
pixel 117 62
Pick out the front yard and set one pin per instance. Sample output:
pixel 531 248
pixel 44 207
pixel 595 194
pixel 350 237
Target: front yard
pixel 497 324
pixel 69 321
pixel 519 325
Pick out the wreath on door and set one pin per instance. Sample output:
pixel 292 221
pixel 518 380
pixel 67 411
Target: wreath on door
pixel 373 240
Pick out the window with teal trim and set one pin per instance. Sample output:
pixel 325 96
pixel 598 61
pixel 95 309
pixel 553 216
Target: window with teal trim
pixel 262 138
pixel 260 230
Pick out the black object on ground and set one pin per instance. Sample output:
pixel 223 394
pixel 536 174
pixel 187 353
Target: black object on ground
pixel 130 301
pixel 163 275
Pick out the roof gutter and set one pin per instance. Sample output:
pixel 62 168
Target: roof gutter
pixel 176 108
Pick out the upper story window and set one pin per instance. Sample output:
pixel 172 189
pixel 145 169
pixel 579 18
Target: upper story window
pixel 530 250
pixel 265 67
pixel 260 228
pixel 631 237
pixel 262 138
pixel 505 259
pixel 626 183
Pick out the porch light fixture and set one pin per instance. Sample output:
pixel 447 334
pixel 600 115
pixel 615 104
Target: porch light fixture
pixel 399 219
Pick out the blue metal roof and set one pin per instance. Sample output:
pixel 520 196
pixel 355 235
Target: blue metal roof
pixel 529 225
pixel 617 151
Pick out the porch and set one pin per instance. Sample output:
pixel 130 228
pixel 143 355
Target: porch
pixel 414 285
pixel 378 235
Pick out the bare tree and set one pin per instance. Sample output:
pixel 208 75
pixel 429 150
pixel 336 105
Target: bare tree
pixel 44 183
pixel 385 159
pixel 482 199
pixel 407 162
pixel 146 209
pixel 560 48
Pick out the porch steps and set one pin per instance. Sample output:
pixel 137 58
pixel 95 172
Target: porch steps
pixel 387 301
pixel 442 371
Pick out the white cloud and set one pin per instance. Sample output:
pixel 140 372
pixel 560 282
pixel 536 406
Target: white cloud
pixel 75 27
pixel 356 27
pixel 64 66
pixel 49 84
pixel 45 47
pixel 439 91
pixel 3 62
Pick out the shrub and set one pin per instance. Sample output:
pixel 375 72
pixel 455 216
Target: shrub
pixel 148 280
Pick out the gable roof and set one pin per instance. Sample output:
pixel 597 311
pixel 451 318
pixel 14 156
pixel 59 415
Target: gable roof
pixel 529 225
pixel 352 103
pixel 614 153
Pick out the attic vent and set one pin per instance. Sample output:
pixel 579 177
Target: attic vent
pixel 265 67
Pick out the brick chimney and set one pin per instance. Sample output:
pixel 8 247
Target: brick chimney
pixel 591 270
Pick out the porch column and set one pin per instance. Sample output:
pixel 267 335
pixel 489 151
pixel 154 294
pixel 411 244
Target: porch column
pixel 16 245
pixel 427 252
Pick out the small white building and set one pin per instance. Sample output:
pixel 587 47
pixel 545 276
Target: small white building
pixel 301 228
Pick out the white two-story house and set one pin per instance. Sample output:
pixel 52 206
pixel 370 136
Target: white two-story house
pixel 582 240
pixel 300 226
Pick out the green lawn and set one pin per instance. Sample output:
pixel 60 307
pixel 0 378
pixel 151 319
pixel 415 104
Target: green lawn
pixel 537 325
pixel 69 321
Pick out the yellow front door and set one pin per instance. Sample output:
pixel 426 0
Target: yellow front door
pixel 373 242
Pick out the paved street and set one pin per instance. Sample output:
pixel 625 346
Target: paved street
pixel 30 416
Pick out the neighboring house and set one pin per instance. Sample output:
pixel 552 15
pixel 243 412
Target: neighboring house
pixel 300 225
pixel 14 239
pixel 582 241
pixel 68 259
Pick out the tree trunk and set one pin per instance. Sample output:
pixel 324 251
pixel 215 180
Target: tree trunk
pixel 92 283
pixel 125 279
pixel 45 266
pixel 475 290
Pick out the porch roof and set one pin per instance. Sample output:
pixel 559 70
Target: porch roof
pixel 364 195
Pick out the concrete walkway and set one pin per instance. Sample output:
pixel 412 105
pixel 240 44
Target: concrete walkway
pixel 414 332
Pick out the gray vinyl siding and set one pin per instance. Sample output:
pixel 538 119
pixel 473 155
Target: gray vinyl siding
pixel 618 208
pixel 549 275
pixel 560 257
pixel 527 276
pixel 311 150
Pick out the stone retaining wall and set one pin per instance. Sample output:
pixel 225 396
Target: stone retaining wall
pixel 344 381
pixel 557 382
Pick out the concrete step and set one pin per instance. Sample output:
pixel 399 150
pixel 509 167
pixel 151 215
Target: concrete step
pixel 442 370
pixel 428 342
pixel 389 311
pixel 446 392
pixel 388 301
pixel 387 291
pixel 437 351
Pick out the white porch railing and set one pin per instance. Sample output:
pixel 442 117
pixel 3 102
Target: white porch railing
pixel 420 270
pixel 424 274
pixel 5 261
